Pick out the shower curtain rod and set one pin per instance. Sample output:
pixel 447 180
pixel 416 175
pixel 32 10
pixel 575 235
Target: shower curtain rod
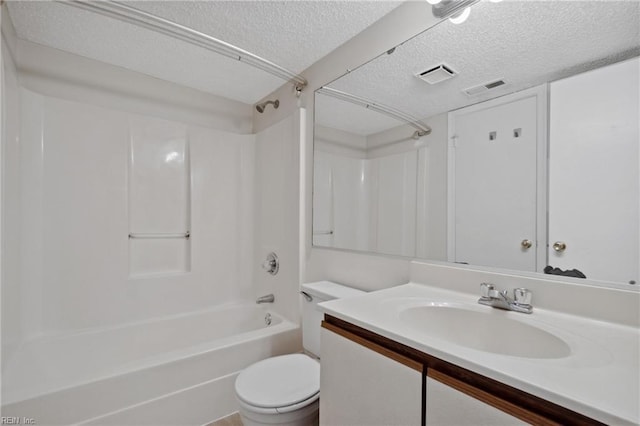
pixel 422 129
pixel 138 17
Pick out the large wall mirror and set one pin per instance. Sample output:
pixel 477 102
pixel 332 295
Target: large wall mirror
pixel 508 141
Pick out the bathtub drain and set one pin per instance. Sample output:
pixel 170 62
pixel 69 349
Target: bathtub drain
pixel 267 319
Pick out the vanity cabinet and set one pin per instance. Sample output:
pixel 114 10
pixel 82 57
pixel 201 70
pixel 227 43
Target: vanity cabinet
pixel 362 384
pixel 451 402
pixel 368 379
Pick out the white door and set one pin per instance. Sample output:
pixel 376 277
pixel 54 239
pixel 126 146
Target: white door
pixel 593 170
pixel 493 192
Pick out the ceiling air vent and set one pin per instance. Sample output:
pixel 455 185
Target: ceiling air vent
pixel 437 74
pixel 481 88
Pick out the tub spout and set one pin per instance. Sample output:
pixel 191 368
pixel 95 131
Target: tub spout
pixel 269 298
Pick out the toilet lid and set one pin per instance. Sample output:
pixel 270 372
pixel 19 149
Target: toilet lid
pixel 279 381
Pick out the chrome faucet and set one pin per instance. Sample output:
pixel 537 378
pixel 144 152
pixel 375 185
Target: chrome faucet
pixel 269 298
pixel 521 301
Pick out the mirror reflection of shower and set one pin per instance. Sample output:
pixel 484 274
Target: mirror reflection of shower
pixel 375 191
pixel 261 106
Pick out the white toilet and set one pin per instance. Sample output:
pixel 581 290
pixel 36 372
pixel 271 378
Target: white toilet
pixel 285 390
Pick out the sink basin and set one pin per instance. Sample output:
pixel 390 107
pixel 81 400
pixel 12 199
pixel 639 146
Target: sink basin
pixel 490 330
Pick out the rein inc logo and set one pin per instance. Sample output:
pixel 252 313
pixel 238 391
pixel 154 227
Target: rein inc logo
pixel 15 420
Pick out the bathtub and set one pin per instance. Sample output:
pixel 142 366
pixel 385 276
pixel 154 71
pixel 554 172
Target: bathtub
pixel 175 370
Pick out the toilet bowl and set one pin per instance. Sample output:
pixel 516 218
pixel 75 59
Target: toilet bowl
pixel 285 390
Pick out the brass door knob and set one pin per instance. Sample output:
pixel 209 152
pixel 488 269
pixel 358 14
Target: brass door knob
pixel 526 244
pixel 559 246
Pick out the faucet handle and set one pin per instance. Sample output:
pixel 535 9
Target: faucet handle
pixel 271 263
pixel 522 296
pixel 486 289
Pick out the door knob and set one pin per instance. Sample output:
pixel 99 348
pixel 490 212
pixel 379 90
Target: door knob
pixel 526 244
pixel 559 246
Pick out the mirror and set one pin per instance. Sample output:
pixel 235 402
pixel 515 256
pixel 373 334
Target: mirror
pixel 532 159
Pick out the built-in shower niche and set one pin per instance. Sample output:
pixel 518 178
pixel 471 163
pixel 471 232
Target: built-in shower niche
pixel 159 197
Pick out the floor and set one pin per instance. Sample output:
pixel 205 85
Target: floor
pixel 232 420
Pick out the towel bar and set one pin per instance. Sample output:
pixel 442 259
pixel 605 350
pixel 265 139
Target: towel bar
pixel 159 235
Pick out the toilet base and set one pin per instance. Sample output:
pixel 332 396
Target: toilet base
pixel 306 416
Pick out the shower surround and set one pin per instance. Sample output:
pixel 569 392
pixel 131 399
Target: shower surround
pixel 104 173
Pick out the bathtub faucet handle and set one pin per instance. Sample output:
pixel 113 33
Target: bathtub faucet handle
pixel 271 264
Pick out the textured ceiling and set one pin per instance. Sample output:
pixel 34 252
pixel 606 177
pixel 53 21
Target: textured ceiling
pixel 526 43
pixel 293 34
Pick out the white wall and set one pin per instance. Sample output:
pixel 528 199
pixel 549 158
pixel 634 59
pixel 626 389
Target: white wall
pixel 369 271
pixel 365 204
pixel 66 199
pixel 339 142
pixel 431 228
pixel 393 183
pixel 276 223
pixel 364 271
pixel 341 186
pixel 64 75
pixel 384 193
pixel 10 172
pixel 405 21
pixel 84 279
pixel 430 207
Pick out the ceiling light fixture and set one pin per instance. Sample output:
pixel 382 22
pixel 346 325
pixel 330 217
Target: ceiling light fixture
pixel 433 1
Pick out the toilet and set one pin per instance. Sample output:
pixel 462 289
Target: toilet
pixel 285 390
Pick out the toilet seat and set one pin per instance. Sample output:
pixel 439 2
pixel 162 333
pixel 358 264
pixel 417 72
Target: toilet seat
pixel 279 385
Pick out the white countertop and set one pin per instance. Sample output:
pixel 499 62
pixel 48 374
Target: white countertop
pixel 600 378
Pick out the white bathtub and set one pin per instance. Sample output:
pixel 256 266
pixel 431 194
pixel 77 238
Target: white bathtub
pixel 175 370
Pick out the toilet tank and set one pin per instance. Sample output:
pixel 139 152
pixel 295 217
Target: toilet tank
pixel 319 292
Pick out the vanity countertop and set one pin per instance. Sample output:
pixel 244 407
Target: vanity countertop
pixel 599 378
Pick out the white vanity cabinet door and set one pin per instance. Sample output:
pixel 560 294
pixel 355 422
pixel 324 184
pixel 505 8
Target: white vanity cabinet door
pixel 359 386
pixel 446 406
